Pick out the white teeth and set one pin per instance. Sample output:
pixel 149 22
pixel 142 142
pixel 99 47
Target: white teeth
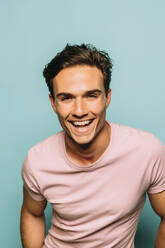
pixel 80 123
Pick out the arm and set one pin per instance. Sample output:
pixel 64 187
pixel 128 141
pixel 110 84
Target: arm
pixel 32 222
pixel 158 204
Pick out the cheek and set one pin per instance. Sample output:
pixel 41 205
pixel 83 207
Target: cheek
pixel 99 107
pixel 62 111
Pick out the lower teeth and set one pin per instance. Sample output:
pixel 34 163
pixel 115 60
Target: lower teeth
pixel 82 126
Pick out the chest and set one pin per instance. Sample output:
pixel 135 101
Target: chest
pixel 94 193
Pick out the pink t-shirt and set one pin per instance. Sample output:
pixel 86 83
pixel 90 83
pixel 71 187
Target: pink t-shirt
pixel 97 205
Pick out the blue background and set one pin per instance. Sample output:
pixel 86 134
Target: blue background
pixel 32 31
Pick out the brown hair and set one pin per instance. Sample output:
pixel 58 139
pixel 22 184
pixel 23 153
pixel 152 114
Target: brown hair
pixel 84 54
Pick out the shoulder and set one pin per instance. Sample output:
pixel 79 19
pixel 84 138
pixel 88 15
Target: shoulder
pixel 40 154
pixel 145 140
pixel 46 144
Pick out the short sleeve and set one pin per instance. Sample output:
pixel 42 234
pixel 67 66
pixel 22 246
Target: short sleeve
pixel 29 180
pixel 157 183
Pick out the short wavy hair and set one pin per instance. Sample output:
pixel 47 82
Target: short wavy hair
pixel 72 55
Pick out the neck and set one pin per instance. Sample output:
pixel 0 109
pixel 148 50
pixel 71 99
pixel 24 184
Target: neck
pixel 86 154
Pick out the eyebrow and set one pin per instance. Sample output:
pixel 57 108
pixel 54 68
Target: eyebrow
pixel 94 91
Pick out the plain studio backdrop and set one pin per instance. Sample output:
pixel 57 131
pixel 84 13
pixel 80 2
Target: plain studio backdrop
pixel 32 32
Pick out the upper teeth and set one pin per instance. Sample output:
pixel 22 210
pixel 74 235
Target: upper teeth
pixel 80 123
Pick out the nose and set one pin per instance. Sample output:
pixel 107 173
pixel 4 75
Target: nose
pixel 79 109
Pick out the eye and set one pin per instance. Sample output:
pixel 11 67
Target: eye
pixel 66 98
pixel 92 96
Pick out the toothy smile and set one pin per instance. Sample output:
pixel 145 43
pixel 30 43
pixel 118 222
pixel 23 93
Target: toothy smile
pixel 81 123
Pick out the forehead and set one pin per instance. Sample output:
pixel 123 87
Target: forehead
pixel 78 79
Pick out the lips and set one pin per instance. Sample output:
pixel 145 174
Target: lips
pixel 81 123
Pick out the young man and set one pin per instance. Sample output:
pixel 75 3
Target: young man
pixel 94 173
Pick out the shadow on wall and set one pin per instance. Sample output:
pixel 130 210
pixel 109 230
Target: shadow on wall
pixel 48 215
pixel 145 237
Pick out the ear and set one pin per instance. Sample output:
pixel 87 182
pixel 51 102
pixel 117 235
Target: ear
pixel 52 101
pixel 108 100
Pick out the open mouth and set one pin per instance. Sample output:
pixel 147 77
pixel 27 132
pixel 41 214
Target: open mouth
pixel 81 124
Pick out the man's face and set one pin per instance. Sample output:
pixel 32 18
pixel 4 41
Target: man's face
pixel 80 102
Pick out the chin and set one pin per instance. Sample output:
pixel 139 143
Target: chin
pixel 83 140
